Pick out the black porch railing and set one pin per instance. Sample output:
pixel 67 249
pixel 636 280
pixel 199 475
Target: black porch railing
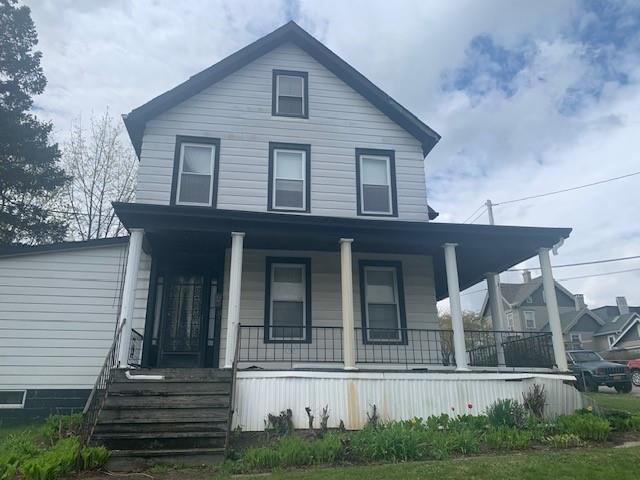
pixel 135 349
pixel 404 346
pixel 289 344
pixel 519 349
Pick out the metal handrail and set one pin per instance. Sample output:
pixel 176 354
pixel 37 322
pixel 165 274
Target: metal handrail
pixel 98 395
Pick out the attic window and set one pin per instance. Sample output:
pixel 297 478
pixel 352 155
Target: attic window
pixel 290 94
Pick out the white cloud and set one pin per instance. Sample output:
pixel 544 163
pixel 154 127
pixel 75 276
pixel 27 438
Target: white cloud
pixel 121 54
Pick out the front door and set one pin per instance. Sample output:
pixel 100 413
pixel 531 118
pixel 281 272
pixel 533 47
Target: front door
pixel 183 320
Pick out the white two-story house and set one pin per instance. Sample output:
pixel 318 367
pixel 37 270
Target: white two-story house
pixel 282 246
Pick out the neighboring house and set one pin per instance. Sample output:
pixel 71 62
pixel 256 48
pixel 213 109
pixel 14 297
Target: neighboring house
pixel 621 327
pixel 280 249
pixel 525 306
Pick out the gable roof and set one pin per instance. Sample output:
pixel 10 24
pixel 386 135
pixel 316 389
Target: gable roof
pixel 290 32
pixel 569 319
pixel 635 319
pixel 615 325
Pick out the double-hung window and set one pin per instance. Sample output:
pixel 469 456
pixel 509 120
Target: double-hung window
pixel 195 171
pixel 375 175
pixel 529 319
pixel 288 300
pixel 290 94
pixel 289 177
pixel 382 301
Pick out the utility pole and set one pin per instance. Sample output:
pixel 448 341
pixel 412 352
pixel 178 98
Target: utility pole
pixel 490 211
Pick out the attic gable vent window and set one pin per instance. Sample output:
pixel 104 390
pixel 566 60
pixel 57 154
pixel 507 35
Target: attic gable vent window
pixel 290 94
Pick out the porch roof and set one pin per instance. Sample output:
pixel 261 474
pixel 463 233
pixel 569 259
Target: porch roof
pixel 481 248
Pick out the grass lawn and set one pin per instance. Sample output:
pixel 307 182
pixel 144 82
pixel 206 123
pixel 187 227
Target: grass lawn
pixel 616 401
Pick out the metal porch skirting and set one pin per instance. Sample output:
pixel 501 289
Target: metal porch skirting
pixel 397 395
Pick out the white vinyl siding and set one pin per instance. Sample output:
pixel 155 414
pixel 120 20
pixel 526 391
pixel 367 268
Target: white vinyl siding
pixel 419 291
pixel 509 316
pixel 238 111
pixel 195 174
pixel 289 179
pixel 58 312
pixel 375 184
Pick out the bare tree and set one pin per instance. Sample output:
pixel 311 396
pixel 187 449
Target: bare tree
pixel 103 167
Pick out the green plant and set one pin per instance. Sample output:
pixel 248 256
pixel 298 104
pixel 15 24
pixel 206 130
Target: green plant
pixel 587 427
pixel 295 452
pixel 92 458
pixel 52 463
pixel 508 438
pixel 58 427
pixel 443 444
pixel 564 440
pixel 507 413
pixel 261 458
pixel 329 449
pixel 14 451
pixel 394 442
pixel 535 400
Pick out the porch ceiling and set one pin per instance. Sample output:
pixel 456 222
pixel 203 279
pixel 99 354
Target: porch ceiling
pixel 481 248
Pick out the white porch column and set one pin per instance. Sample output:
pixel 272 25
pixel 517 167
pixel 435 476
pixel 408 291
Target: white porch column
pixel 456 307
pixel 552 309
pixel 346 282
pixel 129 293
pixel 235 287
pixel 497 313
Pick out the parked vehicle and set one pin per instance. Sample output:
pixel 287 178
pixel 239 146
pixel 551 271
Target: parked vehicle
pixel 634 367
pixel 592 371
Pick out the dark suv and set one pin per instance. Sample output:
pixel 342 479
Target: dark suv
pixel 591 371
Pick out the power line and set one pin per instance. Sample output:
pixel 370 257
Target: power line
pixel 567 189
pixel 474 212
pixel 479 215
pixel 599 274
pixel 593 262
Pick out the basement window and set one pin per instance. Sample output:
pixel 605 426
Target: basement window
pixel 12 398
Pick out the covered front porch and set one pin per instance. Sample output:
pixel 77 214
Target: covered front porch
pixel 364 296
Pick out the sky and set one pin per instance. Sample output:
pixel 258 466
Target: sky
pixel 529 97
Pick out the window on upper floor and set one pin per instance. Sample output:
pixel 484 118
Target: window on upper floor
pixel 195 171
pixel 529 299
pixel 289 177
pixel 383 317
pixel 611 339
pixel 290 94
pixel 509 316
pixel 288 308
pixel 375 178
pixel 529 320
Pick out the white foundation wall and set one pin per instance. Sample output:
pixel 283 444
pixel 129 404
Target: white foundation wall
pixel 349 396
pixel 326 303
pixel 58 312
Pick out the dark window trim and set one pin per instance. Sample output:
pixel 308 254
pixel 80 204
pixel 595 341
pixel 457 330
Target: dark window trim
pixel 306 261
pixel 392 170
pixel 274 88
pixel 362 264
pixel 290 146
pixel 180 139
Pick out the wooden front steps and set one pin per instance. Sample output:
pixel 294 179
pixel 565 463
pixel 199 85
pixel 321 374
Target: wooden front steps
pixel 181 419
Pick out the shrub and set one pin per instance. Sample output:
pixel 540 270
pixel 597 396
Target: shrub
pixel 444 444
pixel 535 400
pixel 281 424
pixel 564 440
pixel 507 413
pixel 623 421
pixel 295 452
pixel 587 427
pixel 329 449
pixel 58 427
pixel 508 438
